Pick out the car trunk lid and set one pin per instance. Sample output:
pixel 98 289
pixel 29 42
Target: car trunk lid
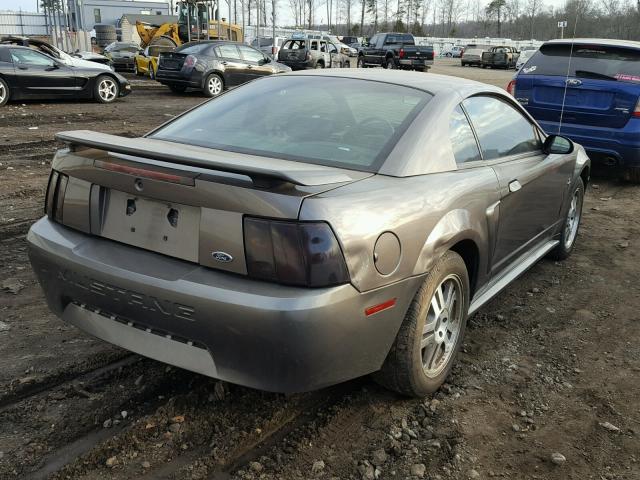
pixel 171 60
pixel 178 200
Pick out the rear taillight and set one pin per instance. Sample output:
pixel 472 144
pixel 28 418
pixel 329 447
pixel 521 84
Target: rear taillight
pixel 636 112
pixel 190 61
pixel 292 253
pixel 54 198
pixel 401 53
pixel 511 88
pixel 274 50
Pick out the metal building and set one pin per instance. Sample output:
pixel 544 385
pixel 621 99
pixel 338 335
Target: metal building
pixel 91 12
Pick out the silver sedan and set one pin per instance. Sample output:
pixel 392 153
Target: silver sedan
pixel 308 228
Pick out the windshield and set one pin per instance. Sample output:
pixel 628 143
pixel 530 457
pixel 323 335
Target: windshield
pixel 330 121
pixel 588 61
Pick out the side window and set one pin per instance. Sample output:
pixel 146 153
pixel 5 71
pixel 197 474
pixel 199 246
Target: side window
pixel 314 45
pixel 323 46
pixel 251 55
pixel 463 142
pixel 373 41
pixel 332 48
pixel 30 57
pixel 97 18
pixel 5 55
pixel 502 130
pixel 228 51
pixel 380 41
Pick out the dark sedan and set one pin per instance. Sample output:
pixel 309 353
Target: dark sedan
pixel 213 66
pixel 122 55
pixel 26 73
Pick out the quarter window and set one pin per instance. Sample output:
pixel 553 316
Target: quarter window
pixel 502 130
pixel 463 142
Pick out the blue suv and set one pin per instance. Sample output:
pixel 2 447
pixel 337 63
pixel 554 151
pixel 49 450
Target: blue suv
pixel 598 82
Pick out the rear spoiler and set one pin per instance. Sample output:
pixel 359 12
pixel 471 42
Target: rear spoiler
pixel 258 168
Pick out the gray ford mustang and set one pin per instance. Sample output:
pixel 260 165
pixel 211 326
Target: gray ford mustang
pixel 308 228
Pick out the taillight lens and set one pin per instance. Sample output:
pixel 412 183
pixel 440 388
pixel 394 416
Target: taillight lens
pixel 636 112
pixel 511 88
pixel 54 198
pixel 190 61
pixel 401 53
pixel 292 253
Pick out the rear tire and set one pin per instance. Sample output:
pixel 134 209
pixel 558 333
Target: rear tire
pixel 423 353
pixel 152 74
pixel 319 65
pixel 631 174
pixel 136 70
pixel 213 85
pixel 177 88
pixel 5 93
pixel 106 89
pixel 571 224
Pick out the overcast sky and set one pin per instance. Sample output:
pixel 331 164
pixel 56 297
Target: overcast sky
pixel 284 14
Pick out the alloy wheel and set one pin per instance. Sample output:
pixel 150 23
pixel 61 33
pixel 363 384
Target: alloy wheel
pixel 3 93
pixel 442 326
pixel 573 219
pixel 107 90
pixel 214 85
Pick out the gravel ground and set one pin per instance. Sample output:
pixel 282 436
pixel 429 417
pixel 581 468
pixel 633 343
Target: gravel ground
pixel 546 386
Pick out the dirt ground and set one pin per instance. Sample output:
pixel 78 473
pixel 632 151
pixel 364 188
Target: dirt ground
pixel 550 369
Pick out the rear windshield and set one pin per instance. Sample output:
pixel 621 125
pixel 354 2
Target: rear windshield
pixel 262 42
pixel 294 45
pixel 587 61
pixel 340 122
pixel 121 47
pixel 191 48
pixel 406 39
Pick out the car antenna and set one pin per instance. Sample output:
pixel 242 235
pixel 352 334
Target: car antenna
pixel 566 78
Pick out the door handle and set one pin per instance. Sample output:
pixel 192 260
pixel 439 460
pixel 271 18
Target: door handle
pixel 249 67
pixel 224 63
pixel 514 186
pixel 23 67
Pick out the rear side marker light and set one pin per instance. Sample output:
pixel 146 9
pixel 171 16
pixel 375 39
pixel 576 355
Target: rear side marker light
pixel 636 112
pixel 511 88
pixel 293 253
pixel 380 307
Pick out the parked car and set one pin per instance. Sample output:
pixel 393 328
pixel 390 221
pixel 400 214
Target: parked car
pixel 472 57
pixel 455 51
pixel 301 52
pixel 146 62
pixel 349 40
pixel 266 45
pixel 122 55
pixel 500 57
pixel 212 66
pixel 589 90
pixel 523 57
pixel 395 50
pixel 78 59
pixel 292 234
pixel 29 74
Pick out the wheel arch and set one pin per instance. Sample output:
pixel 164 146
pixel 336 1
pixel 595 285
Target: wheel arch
pixel 94 81
pixel 213 72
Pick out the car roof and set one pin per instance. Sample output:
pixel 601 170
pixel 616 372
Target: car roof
pixel 432 83
pixel 595 41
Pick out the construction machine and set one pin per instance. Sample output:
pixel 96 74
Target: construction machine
pixel 197 20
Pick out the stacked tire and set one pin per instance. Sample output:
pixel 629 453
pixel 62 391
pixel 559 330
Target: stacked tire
pixel 105 34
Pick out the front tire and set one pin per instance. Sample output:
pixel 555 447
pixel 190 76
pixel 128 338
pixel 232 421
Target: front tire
pixel 571 224
pixel 152 74
pixel 213 85
pixel 361 62
pixel 5 93
pixel 136 70
pixel 106 89
pixel 390 64
pixel 430 336
pixel 319 65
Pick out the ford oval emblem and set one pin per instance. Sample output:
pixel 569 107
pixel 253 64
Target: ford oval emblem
pixel 223 257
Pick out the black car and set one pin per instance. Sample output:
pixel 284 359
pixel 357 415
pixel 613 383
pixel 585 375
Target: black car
pixel 122 55
pixel 26 73
pixel 212 66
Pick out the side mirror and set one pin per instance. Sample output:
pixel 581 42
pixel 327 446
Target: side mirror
pixel 555 144
pixel 53 66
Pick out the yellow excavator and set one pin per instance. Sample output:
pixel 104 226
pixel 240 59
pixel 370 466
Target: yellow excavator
pixel 194 16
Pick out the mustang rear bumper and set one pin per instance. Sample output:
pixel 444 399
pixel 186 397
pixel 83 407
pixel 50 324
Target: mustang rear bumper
pixel 252 333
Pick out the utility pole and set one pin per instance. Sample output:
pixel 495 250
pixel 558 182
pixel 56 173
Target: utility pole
pixel 273 27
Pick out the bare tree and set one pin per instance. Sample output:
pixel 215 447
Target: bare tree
pixel 495 8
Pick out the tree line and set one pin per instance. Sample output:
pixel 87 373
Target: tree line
pixel 515 19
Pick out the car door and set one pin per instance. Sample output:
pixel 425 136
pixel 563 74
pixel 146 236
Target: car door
pixel 257 62
pixel 39 74
pixel 370 51
pixel 334 56
pixel 532 184
pixel 236 70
